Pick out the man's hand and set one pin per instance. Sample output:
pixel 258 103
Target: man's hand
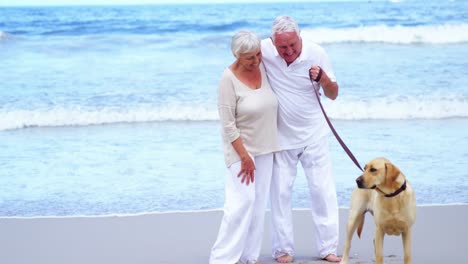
pixel 315 73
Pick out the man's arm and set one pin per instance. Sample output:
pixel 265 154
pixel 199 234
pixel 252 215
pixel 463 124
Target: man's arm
pixel 329 87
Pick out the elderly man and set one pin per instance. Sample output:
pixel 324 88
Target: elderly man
pixel 302 132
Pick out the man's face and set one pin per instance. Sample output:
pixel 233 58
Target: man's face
pixel 288 45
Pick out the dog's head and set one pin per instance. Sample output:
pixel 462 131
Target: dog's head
pixel 377 172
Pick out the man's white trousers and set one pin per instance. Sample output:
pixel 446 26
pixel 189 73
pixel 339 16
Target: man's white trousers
pixel 316 162
pixel 240 235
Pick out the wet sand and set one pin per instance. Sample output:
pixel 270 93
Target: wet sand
pixel 439 236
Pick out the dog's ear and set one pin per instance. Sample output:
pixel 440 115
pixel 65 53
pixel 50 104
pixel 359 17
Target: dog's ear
pixel 392 173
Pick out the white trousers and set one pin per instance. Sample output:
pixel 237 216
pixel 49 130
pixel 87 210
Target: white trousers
pixel 240 235
pixel 316 162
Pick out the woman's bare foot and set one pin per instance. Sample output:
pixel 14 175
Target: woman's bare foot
pixel 285 259
pixel 332 258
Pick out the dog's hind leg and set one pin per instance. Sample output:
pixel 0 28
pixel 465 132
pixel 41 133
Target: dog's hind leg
pixel 355 220
pixel 357 211
pixel 406 238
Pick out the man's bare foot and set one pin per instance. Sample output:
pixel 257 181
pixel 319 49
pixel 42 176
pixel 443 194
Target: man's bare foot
pixel 285 259
pixel 332 258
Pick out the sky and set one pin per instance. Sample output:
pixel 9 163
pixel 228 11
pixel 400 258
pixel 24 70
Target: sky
pixel 123 2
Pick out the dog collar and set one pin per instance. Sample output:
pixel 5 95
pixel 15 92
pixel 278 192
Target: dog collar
pixel 393 194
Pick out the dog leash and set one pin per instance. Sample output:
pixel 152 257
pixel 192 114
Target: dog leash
pixel 343 145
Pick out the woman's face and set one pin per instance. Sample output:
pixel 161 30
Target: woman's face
pixel 250 60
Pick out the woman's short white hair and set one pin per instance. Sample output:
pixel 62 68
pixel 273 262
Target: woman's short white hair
pixel 244 41
pixel 284 24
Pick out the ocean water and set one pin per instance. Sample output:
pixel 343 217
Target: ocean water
pixel 112 109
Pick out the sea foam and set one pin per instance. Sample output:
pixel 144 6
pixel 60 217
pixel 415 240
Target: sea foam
pixel 61 116
pixel 4 35
pixel 343 109
pixel 402 109
pixel 434 34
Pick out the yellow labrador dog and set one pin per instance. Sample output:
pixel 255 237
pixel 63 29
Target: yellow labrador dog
pixel 384 192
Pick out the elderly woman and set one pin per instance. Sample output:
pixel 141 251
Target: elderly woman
pixel 248 113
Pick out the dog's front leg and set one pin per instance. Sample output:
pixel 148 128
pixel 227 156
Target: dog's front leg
pixel 406 237
pixel 378 245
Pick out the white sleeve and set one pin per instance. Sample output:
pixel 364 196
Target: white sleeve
pixel 227 102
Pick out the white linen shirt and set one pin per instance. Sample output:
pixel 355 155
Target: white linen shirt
pixel 247 113
pixel 300 120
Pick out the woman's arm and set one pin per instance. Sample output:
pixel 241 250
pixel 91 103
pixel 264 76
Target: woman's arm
pixel 227 103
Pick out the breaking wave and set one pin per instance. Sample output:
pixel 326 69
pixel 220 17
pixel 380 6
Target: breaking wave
pixel 343 109
pixel 433 34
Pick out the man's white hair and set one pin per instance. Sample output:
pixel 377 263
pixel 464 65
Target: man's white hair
pixel 244 41
pixel 284 24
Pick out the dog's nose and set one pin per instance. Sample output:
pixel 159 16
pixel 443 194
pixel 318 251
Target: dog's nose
pixel 359 182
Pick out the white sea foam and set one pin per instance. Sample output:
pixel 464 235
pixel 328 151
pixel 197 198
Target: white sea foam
pixel 402 109
pixel 344 109
pixel 16 119
pixel 3 35
pixel 435 34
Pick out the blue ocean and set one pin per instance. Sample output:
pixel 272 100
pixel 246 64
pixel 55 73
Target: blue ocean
pixel 113 109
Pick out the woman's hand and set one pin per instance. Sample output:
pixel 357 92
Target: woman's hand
pixel 247 163
pixel 247 170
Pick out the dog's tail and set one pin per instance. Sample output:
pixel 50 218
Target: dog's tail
pixel 361 224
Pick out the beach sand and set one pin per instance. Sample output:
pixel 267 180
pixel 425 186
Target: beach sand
pixel 439 236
